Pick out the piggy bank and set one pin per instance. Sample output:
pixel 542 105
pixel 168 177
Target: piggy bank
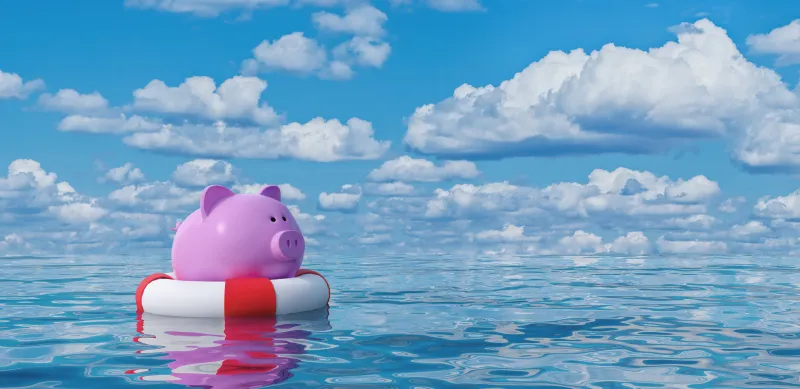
pixel 237 236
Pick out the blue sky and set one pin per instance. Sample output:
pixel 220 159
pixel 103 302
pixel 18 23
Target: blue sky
pixel 721 126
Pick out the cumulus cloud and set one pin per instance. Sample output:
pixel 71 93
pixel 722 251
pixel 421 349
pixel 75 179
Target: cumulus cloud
pixel 691 246
pixel 410 169
pixel 70 100
pixel 125 174
pixel 782 41
pixel 509 233
pixel 317 140
pixel 345 201
pixel 621 100
pixel 12 86
pixel 204 172
pixel 236 98
pixel 108 124
pixel 619 192
pixel 732 204
pixel 29 193
pixel 288 191
pixel 390 189
pixel 750 228
pixel 296 53
pixel 779 207
pixel 361 20
pixel 292 52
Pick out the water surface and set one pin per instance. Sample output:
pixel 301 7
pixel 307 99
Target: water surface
pixel 419 322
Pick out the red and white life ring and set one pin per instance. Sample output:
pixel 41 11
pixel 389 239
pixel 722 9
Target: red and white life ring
pixel 161 294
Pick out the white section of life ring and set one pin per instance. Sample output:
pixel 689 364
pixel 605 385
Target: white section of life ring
pixel 300 294
pixel 184 298
pixel 205 299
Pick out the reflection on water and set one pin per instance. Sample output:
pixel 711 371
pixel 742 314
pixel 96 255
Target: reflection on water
pixel 227 353
pixel 420 322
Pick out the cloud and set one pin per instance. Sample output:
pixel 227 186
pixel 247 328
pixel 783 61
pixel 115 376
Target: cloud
pixel 29 194
pixel 363 51
pixel 204 172
pixel 108 125
pixel 509 233
pixel 301 55
pixel 345 201
pixel 41 214
pixel 293 53
pixel 360 20
pixel 242 127
pixel 621 100
pixel 317 140
pixel 13 87
pixel 236 98
pixel 70 100
pixel 633 243
pixel 288 191
pixel 779 207
pixel 750 228
pixel 125 174
pixel 390 189
pixel 619 192
pixel 691 247
pixel 410 169
pixel 731 205
pixel 782 41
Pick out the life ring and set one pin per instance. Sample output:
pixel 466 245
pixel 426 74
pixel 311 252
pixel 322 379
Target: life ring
pixel 162 294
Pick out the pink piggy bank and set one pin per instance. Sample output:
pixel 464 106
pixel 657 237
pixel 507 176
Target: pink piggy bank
pixel 238 236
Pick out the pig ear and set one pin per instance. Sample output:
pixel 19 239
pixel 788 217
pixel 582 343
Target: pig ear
pixel 211 197
pixel 271 191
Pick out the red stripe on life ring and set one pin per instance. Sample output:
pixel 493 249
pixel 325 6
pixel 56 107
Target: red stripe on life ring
pixel 250 297
pixel 143 286
pixel 306 271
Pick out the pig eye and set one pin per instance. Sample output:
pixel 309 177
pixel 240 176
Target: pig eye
pixel 273 219
pixel 283 217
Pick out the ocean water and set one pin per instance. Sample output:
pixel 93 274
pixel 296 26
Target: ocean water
pixel 419 322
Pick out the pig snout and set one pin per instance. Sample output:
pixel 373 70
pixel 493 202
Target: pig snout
pixel 288 245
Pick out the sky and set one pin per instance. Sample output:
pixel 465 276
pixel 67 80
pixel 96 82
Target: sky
pixel 406 126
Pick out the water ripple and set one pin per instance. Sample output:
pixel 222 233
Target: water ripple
pixel 419 322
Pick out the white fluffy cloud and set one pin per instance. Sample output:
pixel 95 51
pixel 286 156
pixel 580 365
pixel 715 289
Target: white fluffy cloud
pixel 13 87
pixel 779 207
pixel 410 169
pixel 782 41
pixel 292 52
pixel 250 128
pixel 317 140
pixel 29 194
pixel 236 98
pixel 360 20
pixel 345 201
pixel 288 191
pixel 125 174
pixel 204 172
pixel 621 100
pixel 390 189
pixel 108 124
pixel 70 100
pixel 619 192
pixel 299 54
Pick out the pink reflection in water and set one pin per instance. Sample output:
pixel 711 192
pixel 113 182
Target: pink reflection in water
pixel 228 353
